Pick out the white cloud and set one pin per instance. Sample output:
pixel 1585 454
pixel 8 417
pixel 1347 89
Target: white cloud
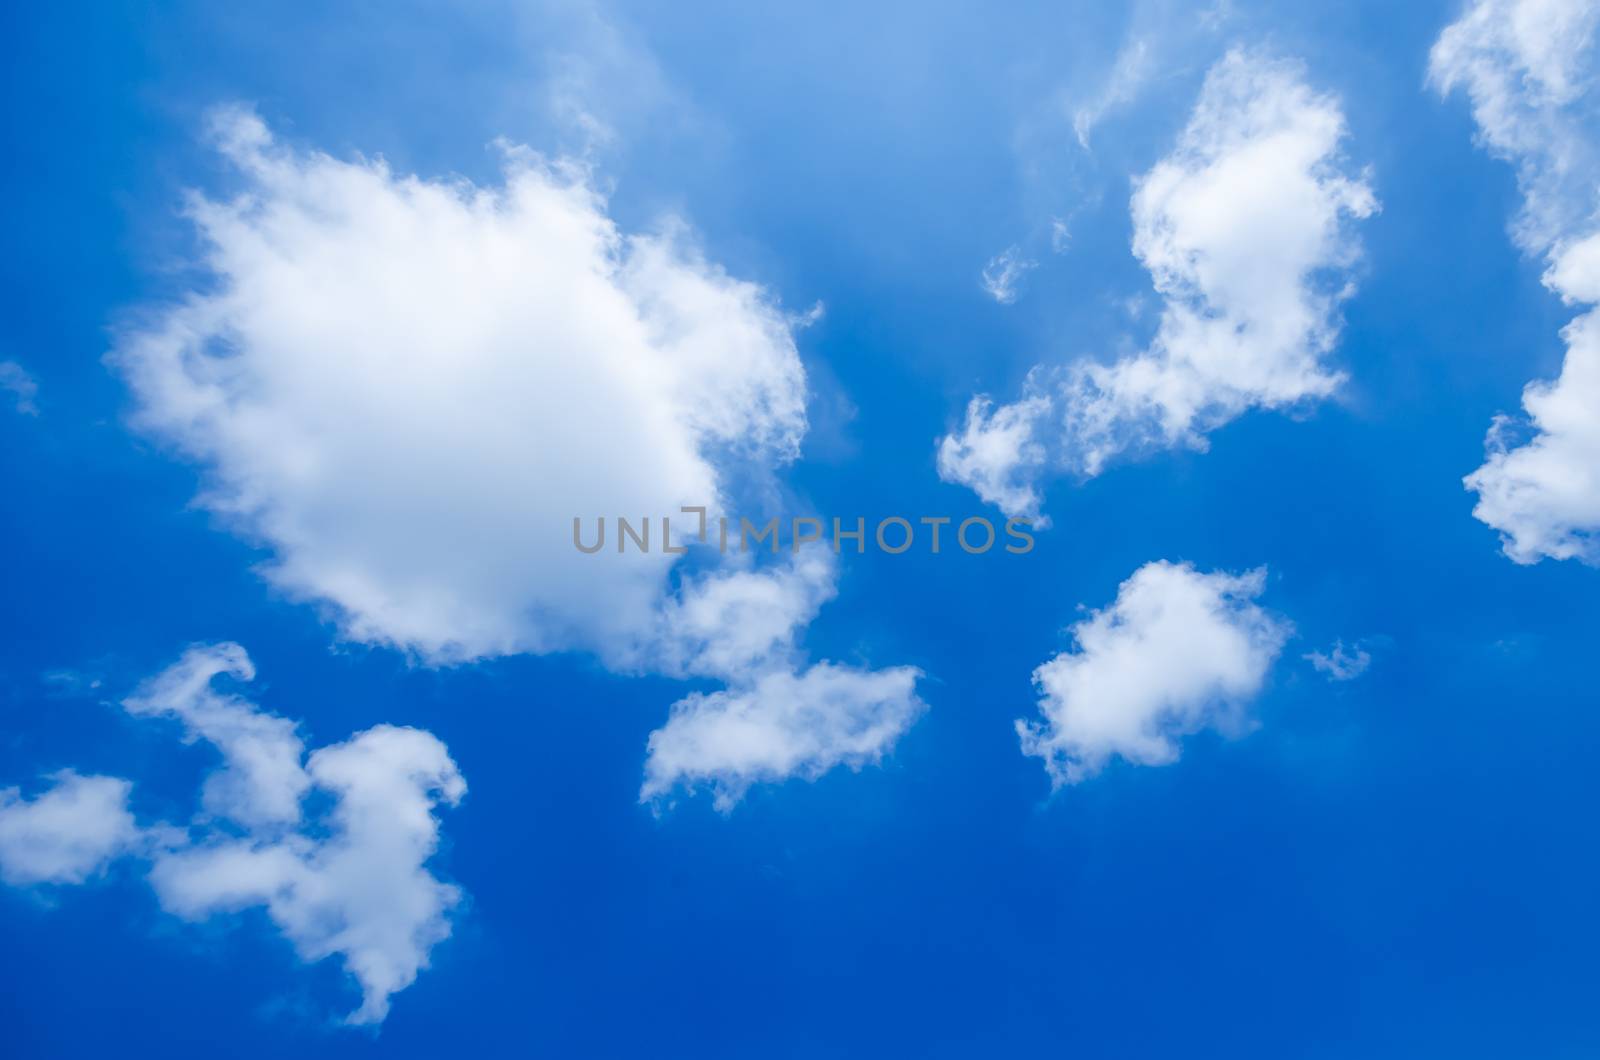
pixel 997 454
pixel 1244 228
pixel 778 718
pixel 349 881
pixel 15 379
pixel 354 885
pixel 1528 68
pixel 407 389
pixel 1338 664
pixel 1001 277
pixel 780 724
pixel 1060 235
pixel 1177 652
pixel 67 833
pixel 727 623
pixel 1134 65
pixel 261 782
pixel 1163 40
pixel 1544 495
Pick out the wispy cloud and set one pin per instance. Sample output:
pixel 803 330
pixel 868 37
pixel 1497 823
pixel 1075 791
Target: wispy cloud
pixel 1003 275
pixel 1339 664
pixel 15 379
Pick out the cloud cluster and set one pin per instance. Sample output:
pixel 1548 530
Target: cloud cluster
pixel 407 389
pixel 350 881
pixel 1178 651
pixel 1528 67
pixel 1245 230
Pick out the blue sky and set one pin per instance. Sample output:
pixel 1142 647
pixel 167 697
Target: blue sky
pixel 1244 854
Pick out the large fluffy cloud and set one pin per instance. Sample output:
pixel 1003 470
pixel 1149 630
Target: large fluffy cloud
pixel 1178 651
pixel 408 388
pixel 67 833
pixel 1245 229
pixel 1528 68
pixel 350 880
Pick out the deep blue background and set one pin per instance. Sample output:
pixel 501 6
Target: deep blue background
pixel 1400 866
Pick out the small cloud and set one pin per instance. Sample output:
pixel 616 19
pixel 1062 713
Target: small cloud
pixel 1338 664
pixel 1132 69
pixel 67 834
pixel 1060 235
pixel 70 682
pixel 801 321
pixel 1003 273
pixel 21 385
pixel 1178 652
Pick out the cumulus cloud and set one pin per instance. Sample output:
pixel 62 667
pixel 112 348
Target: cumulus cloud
pixel 1178 651
pixel 996 454
pixel 781 724
pixel 1246 231
pixel 727 623
pixel 1337 664
pixel 349 880
pixel 15 380
pixel 1528 68
pixel 1002 277
pixel 407 388
pixel 66 834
